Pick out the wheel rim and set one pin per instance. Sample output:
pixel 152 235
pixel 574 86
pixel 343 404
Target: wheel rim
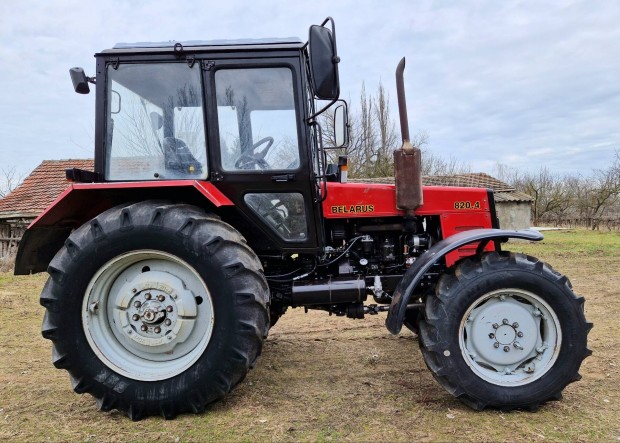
pixel 510 337
pixel 148 315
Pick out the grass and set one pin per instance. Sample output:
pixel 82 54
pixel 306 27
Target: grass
pixel 328 379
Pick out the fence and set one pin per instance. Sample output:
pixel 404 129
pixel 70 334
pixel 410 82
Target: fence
pixel 598 224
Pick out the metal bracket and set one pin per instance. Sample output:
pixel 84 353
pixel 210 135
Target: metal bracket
pixel 207 65
pixel 190 61
pixel 114 62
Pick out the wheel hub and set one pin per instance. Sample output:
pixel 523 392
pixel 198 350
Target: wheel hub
pixel 503 333
pixel 155 310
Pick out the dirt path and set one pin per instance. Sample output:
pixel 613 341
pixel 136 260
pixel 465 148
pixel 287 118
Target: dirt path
pixel 323 378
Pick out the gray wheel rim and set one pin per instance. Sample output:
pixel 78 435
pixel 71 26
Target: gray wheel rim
pixel 147 315
pixel 510 337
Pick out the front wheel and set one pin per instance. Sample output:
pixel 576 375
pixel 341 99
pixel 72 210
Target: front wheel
pixel 155 309
pixel 505 331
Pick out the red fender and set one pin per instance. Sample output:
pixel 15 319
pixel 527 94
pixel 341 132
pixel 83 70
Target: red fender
pixel 81 202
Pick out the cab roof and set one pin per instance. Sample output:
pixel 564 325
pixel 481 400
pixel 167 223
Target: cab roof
pixel 208 45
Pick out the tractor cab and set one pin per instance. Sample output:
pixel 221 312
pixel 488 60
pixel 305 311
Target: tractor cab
pixel 239 114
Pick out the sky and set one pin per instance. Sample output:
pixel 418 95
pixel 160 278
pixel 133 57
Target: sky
pixel 521 83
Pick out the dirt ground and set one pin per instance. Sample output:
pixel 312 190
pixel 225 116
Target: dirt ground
pixel 324 378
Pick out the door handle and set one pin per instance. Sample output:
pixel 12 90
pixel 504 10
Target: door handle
pixel 283 178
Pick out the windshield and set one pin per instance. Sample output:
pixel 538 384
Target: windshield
pixel 155 124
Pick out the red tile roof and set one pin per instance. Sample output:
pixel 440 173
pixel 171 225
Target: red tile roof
pixel 503 191
pixel 40 188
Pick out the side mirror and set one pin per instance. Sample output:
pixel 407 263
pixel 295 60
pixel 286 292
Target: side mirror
pixel 80 81
pixel 324 61
pixel 341 125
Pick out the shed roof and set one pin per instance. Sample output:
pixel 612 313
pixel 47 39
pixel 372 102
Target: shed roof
pixel 46 182
pixel 502 191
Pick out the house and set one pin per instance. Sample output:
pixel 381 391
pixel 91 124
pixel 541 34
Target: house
pixel 47 182
pixel 31 197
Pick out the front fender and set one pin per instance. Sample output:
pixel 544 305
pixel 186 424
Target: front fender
pixel 414 274
pixel 81 202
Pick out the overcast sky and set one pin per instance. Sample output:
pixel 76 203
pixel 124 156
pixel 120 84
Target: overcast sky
pixel 525 83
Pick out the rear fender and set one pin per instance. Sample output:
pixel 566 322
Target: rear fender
pixel 84 201
pixel 414 274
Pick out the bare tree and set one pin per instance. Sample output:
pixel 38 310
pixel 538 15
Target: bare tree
pixel 9 180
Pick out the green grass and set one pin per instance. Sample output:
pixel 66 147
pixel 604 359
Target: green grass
pixel 574 243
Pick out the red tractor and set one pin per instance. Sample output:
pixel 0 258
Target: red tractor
pixel 212 208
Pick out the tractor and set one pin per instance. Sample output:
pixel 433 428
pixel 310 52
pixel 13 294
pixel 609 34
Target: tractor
pixel 215 204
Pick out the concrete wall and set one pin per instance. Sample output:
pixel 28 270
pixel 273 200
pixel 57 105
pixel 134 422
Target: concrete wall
pixel 513 215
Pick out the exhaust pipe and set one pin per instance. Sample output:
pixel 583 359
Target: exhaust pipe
pixel 407 159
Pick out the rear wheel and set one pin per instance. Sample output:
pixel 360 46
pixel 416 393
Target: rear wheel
pixel 504 331
pixel 155 309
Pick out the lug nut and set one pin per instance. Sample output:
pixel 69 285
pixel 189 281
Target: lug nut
pixel 137 304
pixel 168 322
pixel 506 349
pixel 143 328
pixel 491 335
pixel 519 334
pixel 157 330
pixel 504 321
pixel 161 298
pixel 169 309
pixel 496 345
pixel 147 296
pixel 134 290
pixel 135 317
pixel 515 325
pixel 495 326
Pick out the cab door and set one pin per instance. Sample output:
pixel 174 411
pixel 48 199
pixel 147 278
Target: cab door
pixel 259 161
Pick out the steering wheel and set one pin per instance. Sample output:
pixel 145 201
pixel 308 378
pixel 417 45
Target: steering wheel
pixel 248 161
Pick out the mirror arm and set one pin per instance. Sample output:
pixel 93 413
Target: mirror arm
pixel 336 59
pixel 310 119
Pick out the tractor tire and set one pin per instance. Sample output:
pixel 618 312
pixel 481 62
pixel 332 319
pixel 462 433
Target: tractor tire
pixel 504 331
pixel 155 309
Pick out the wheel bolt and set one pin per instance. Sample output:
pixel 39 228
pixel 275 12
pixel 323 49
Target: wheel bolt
pixel 169 309
pixel 134 290
pixel 137 304
pixel 491 335
pixel 495 326
pixel 506 349
pixel 135 317
pixel 168 322
pixel 505 321
pixel 496 345
pixel 161 298
pixel 515 325
pixel 519 334
pixel 143 328
pixel 147 296
pixel 157 330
